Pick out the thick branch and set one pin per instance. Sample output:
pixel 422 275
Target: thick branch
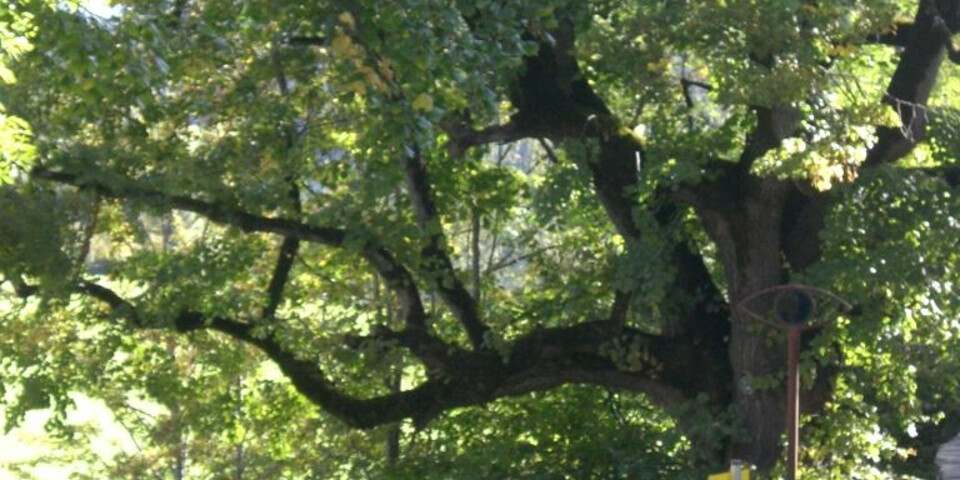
pixel 462 136
pixel 948 173
pixel 311 382
pixel 804 216
pixel 420 403
pixel 555 101
pixel 773 125
pixel 899 36
pixel 297 40
pixel 914 78
pixel 541 360
pixel 438 265
pixel 658 392
pixel 108 296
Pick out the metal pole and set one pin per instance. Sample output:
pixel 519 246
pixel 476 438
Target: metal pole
pixel 794 307
pixel 793 399
pixel 736 469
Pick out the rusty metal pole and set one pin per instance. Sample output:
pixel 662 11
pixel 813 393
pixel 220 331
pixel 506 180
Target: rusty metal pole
pixel 794 309
pixel 793 399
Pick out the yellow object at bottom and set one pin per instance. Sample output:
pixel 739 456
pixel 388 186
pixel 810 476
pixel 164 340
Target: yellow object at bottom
pixel 744 475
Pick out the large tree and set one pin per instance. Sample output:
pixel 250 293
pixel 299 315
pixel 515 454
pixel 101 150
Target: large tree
pixel 481 199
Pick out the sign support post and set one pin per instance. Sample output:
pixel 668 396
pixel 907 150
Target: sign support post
pixel 794 308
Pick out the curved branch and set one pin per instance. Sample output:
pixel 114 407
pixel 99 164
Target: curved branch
pixel 120 306
pixel 540 360
pixel 311 382
pixel 950 174
pixel 420 403
pixel 547 362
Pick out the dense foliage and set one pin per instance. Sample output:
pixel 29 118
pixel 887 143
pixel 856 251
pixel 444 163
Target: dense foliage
pixel 480 238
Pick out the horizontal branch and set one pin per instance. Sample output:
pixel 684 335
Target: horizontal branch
pixel 118 304
pixel 948 173
pixel 306 377
pixel 461 137
pixel 214 211
pixel 896 37
pixel 394 274
pixel 481 378
pixel 298 40
pixel 656 391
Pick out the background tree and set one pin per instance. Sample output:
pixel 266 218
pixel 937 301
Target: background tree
pixel 317 182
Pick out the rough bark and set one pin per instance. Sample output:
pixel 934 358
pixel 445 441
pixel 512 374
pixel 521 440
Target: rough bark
pixel 746 225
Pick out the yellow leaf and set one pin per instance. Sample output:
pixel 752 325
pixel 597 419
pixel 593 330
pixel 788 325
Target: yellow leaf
pixel 423 102
pixel 385 71
pixel 7 76
pixel 844 50
pixel 358 87
pixel 375 81
pixel 342 44
pixel 346 18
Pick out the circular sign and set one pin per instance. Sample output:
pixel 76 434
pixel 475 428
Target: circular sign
pixel 794 307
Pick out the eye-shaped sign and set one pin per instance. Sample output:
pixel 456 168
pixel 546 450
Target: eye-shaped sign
pixel 792 306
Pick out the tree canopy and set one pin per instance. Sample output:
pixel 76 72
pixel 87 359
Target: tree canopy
pixel 482 229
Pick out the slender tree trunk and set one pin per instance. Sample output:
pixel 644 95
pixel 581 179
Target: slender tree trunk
pixel 387 313
pixel 176 424
pixel 393 432
pixel 239 460
pixel 475 251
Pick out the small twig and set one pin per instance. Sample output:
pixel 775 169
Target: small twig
pixel 298 41
pixel 508 262
pixel 552 155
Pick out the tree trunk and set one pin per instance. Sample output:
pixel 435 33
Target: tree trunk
pixel 746 228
